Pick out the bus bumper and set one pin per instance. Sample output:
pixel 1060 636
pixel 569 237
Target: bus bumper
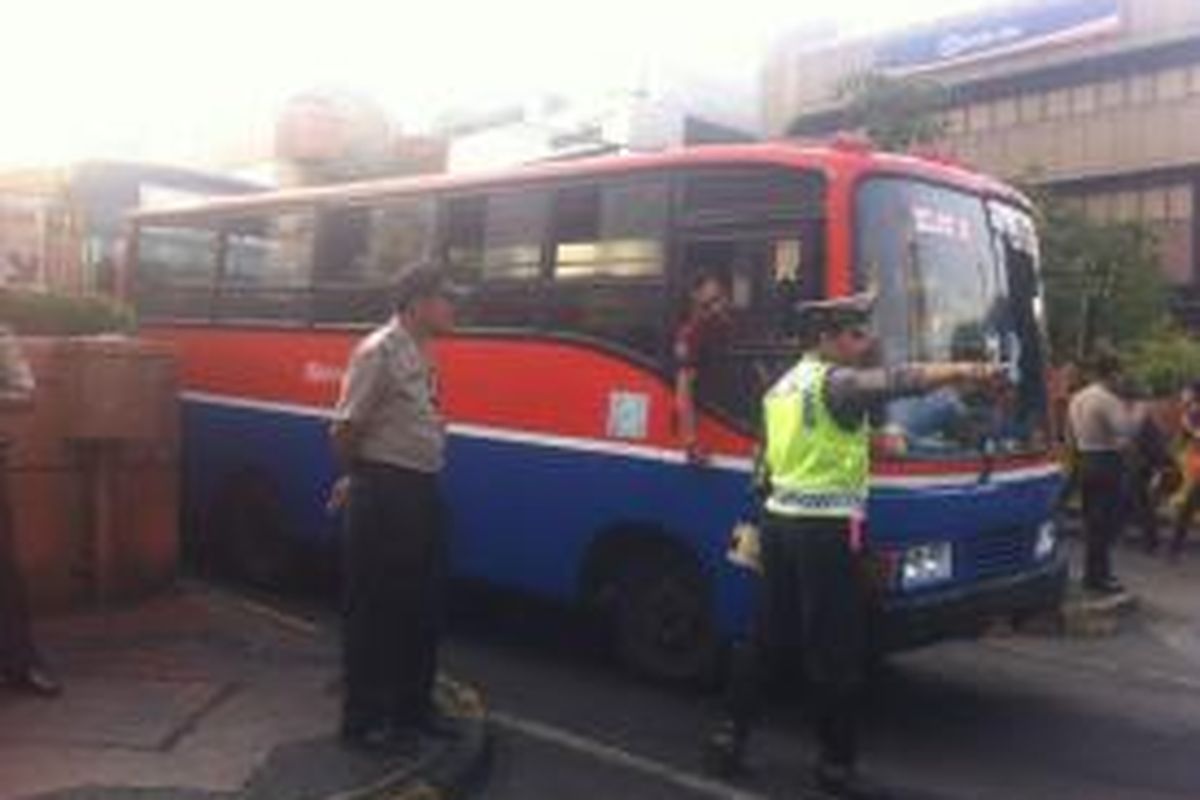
pixel 964 611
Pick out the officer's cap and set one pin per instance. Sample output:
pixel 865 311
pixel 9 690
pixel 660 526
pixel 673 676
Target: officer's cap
pixel 822 316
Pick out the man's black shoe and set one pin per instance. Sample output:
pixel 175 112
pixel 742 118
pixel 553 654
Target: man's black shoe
pixel 722 754
pixel 34 679
pixel 1106 587
pixel 844 782
pixel 439 726
pixel 382 740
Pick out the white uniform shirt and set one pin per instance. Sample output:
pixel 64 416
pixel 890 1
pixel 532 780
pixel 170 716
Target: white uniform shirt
pixel 388 394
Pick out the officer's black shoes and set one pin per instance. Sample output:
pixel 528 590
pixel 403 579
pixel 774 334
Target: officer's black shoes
pixel 843 782
pixel 381 740
pixel 724 751
pixel 33 679
pixel 439 726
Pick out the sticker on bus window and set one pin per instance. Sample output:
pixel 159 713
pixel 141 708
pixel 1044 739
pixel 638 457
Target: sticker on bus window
pixel 788 254
pixel 941 223
pixel 628 415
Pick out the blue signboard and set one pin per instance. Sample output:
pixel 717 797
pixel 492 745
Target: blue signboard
pixel 996 32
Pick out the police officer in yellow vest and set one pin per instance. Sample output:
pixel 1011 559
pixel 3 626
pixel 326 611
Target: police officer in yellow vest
pixel 816 458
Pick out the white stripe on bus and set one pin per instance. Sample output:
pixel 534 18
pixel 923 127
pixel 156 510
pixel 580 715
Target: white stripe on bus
pixel 629 450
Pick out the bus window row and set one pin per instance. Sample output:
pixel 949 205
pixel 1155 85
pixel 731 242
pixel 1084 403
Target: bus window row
pixel 589 258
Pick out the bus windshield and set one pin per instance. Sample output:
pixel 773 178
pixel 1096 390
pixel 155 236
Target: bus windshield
pixel 957 281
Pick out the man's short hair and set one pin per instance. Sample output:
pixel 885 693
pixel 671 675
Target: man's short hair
pixel 420 281
pixel 1106 363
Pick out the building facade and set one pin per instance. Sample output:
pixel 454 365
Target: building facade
pixel 61 228
pixel 1097 99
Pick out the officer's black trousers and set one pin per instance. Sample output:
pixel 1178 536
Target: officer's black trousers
pixel 810 597
pixel 17 653
pixel 392 596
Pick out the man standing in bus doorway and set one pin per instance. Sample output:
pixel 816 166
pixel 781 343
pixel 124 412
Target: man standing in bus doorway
pixel 816 467
pixel 699 344
pixel 20 664
pixel 1101 428
pixel 389 436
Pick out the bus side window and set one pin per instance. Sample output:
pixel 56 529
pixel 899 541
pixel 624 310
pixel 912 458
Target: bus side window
pixel 177 271
pixel 267 268
pixel 494 245
pixel 360 252
pixel 609 262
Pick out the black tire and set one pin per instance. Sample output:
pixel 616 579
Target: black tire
pixel 664 624
pixel 250 535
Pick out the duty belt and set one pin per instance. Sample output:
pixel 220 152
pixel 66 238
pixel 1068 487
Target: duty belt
pixel 790 502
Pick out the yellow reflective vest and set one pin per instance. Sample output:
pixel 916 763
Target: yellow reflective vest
pixel 816 467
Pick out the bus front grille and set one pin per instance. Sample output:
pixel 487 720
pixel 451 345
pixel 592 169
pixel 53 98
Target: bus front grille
pixel 997 553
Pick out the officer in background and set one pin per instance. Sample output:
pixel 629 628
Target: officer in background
pixel 816 468
pixel 389 435
pixel 20 665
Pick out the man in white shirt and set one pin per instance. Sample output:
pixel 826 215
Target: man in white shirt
pixel 389 436
pixel 1100 424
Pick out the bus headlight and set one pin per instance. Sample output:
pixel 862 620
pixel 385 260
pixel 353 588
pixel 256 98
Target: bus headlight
pixel 926 565
pixel 1045 542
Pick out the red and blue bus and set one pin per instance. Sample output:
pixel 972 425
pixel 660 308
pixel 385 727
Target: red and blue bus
pixel 566 475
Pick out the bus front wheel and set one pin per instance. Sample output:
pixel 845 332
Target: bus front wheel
pixel 664 623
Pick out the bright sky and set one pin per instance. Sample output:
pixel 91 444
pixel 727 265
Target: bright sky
pixel 168 80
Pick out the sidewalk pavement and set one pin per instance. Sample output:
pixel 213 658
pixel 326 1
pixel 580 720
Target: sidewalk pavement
pixel 1168 594
pixel 1165 594
pixel 202 694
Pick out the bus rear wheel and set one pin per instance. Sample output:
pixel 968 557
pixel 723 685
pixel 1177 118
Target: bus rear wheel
pixel 664 623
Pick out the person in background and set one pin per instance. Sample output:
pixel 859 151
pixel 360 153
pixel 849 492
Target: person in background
pixel 21 666
pixel 1189 426
pixel 389 436
pixel 816 467
pixel 1101 428
pixel 1150 468
pixel 699 344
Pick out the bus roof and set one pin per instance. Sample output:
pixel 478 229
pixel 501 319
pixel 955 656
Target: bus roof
pixel 849 159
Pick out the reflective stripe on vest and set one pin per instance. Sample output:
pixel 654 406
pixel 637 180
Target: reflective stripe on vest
pixel 817 467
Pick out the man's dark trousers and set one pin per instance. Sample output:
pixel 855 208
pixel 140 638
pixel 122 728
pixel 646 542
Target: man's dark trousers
pixel 392 574
pixel 17 653
pixel 1103 492
pixel 810 597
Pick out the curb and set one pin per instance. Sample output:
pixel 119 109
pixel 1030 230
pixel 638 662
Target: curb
pixel 1084 617
pixel 448 773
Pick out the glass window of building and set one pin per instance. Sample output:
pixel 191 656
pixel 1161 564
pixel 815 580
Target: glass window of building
pixel 1154 204
pixel 1058 104
pixel 1112 93
pixel 1032 107
pixel 979 117
pixel 1083 99
pixel 1127 207
pixel 955 121
pixel 1172 83
pixel 1180 202
pixel 1142 89
pixel 1005 115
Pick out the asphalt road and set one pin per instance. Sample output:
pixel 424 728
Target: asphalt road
pixel 1004 718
